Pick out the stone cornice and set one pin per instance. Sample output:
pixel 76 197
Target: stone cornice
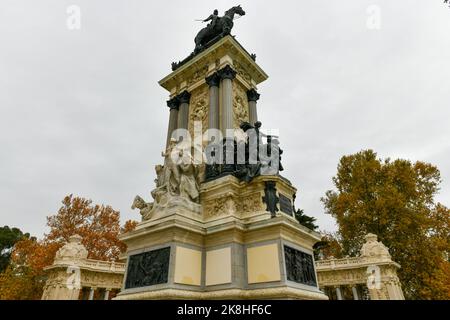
pixel 227 46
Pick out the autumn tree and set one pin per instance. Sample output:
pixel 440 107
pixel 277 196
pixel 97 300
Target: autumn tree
pixel 99 226
pixel 395 200
pixel 329 246
pixel 24 277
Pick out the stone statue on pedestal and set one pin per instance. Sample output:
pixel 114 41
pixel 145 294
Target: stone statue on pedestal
pixel 189 186
pixel 72 250
pixel 145 208
pixel 374 248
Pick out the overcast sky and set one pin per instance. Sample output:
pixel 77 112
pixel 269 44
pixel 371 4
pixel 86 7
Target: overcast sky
pixel 81 111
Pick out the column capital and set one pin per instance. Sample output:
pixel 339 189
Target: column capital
pixel 227 72
pixel 184 97
pixel 213 80
pixel 253 95
pixel 173 103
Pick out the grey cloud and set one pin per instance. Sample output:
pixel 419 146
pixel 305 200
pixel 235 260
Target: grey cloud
pixel 81 111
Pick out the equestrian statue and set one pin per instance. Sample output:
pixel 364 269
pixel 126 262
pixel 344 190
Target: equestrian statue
pixel 218 27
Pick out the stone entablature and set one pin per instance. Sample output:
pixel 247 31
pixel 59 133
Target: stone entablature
pixel 225 52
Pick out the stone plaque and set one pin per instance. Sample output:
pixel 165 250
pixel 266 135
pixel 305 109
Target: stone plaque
pixel 148 268
pixel 285 205
pixel 299 267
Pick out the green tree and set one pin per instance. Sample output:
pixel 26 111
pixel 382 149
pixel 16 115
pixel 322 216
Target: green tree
pixel 8 238
pixel 304 220
pixel 395 200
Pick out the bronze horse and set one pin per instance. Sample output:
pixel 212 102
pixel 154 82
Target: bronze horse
pixel 222 28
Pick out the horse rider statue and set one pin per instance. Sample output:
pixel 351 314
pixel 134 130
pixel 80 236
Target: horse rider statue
pixel 219 27
pixel 213 18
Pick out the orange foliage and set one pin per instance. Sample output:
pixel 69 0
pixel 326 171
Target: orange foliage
pixel 98 225
pixel 395 200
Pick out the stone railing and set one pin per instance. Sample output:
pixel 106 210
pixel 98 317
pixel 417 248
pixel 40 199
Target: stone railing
pixel 104 265
pixel 339 263
pixel 93 265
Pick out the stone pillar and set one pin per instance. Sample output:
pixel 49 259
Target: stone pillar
pixel 173 104
pixel 227 74
pixel 107 294
pixel 252 97
pixel 399 290
pixel 213 82
pixel 91 294
pixel 338 293
pixel 392 295
pixel 355 293
pixel 183 111
pixel 394 290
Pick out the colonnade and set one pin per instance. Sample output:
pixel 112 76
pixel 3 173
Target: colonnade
pixel 220 104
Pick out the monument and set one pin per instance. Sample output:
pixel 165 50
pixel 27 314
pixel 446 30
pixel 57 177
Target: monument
pixel 221 223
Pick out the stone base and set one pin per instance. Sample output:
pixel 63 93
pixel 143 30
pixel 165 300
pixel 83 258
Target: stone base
pixel 281 293
pixel 234 249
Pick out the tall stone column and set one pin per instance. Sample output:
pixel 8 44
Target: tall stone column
pixel 173 105
pixel 183 111
pixel 106 297
pixel 252 97
pixel 227 74
pixel 213 82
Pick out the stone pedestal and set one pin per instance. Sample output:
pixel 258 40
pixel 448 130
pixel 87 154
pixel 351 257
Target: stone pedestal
pixel 233 249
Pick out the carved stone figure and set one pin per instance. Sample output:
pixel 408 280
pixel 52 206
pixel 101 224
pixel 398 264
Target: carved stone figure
pixel 171 173
pixel 144 207
pixel 374 248
pixel 73 250
pixel 159 175
pixel 240 111
pixel 219 27
pixel 189 187
pixel 177 182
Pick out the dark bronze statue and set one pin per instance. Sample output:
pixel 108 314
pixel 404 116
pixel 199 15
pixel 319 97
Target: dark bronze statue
pixel 270 198
pixel 213 18
pixel 219 26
